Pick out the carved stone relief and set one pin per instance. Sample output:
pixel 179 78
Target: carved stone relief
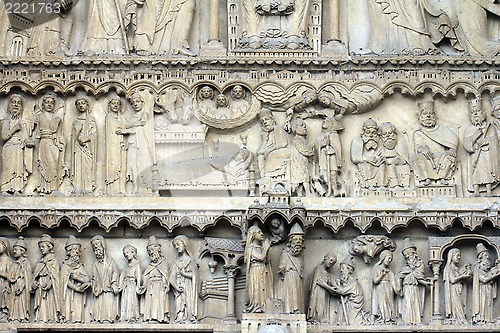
pixel 305 163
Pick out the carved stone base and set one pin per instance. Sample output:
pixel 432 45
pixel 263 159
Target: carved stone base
pixel 437 191
pixel 294 323
pixel 213 49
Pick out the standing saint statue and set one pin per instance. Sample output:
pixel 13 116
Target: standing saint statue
pixel 17 151
pixel 481 142
pixel 50 160
pixel 384 286
pixel 329 152
pixel 455 291
pixel 184 280
pixel 83 149
pixel 20 279
pixel 301 153
pixel 74 281
pixel 155 302
pixel 105 307
pixel 410 285
pixel 173 26
pixel 259 278
pixel 105 33
pixel 291 272
pixel 6 264
pixel 116 147
pixel 484 287
pixel 46 283
pixel 130 286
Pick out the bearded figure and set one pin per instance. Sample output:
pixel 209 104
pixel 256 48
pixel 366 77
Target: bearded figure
pixel 435 148
pixel 368 155
pixel 291 272
pixel 396 157
pixel 481 142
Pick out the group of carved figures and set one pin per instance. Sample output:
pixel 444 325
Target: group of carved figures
pixel 35 139
pixel 70 292
pixel 66 292
pixel 112 27
pixel 396 298
pixel 380 154
pixel 163 27
pixel 130 148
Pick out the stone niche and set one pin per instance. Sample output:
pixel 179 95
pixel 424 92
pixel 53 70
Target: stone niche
pixel 250 165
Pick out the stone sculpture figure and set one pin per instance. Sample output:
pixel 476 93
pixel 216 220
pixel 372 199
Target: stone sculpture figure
pixel 173 27
pixel 239 105
pixel 105 33
pixel 291 272
pixel 301 153
pixel 470 21
pixel 130 286
pixel 435 148
pixel 368 246
pixel 155 302
pixel 403 27
pixel 238 167
pixel 259 278
pixel 6 263
pixel 484 287
pixel 321 305
pixel 140 23
pixel 368 155
pixel 184 281
pixel 20 280
pixel 74 280
pixel 17 151
pixel 206 104
pixel 351 294
pixel 397 161
pixel 105 278
pixel 141 155
pixel 410 285
pixel 329 152
pixel 46 283
pixel 222 111
pixel 277 230
pixel 116 147
pixel 273 154
pixel 83 149
pixel 481 142
pixel 384 286
pixel 51 151
pixel 50 37
pixel 455 291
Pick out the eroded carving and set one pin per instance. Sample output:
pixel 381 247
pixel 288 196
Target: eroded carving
pixel 17 151
pixel 46 283
pixel 291 272
pixel 20 279
pixel 74 280
pixel 481 142
pixel 384 284
pixel 130 286
pixel 322 308
pixel 105 288
pixel 455 288
pixel 483 286
pixel 184 281
pixel 259 278
pixel 369 246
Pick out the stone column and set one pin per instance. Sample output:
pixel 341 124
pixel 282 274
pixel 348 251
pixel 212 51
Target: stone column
pixel 231 270
pixel 436 309
pixel 334 22
pixel 214 21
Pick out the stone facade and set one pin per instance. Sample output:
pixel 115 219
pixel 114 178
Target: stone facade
pixel 234 165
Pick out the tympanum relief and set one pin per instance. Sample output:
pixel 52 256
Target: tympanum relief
pixel 118 145
pixel 63 288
